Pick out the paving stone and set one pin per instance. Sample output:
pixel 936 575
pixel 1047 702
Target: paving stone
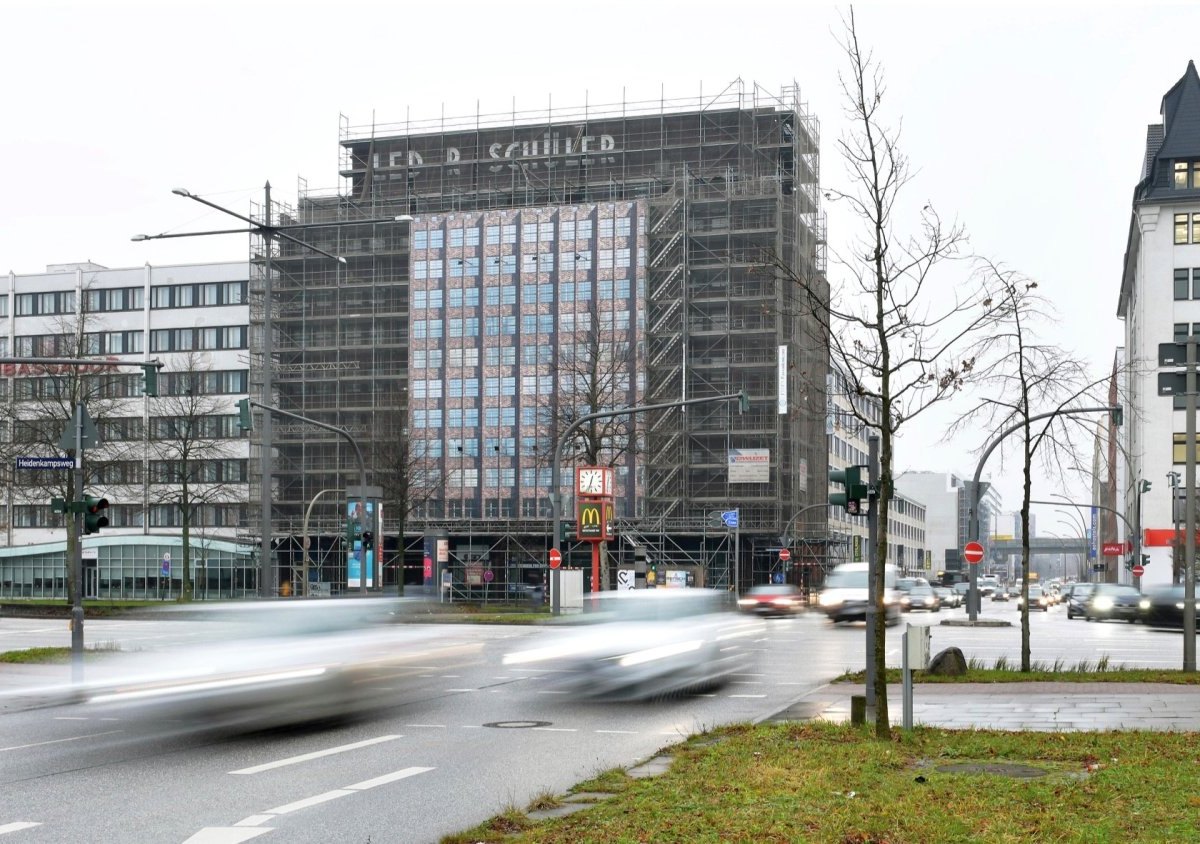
pixel 652 768
pixel 557 811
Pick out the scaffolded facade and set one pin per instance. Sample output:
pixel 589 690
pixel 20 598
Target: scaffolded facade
pixel 726 245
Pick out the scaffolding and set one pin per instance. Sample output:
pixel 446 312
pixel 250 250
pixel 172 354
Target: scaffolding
pixel 728 186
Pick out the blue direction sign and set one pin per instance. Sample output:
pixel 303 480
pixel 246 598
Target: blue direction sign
pixel 730 518
pixel 45 463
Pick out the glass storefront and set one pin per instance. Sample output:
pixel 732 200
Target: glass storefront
pixel 132 568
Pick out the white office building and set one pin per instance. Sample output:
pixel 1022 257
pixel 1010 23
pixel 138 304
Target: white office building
pixel 154 457
pixel 1160 303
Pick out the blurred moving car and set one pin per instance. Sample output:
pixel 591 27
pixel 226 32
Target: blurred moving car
pixel 1038 599
pixel 1113 600
pixel 1077 598
pixel 949 598
pixel 1164 606
pixel 644 643
pixel 1000 595
pixel 266 664
pixel 772 599
pixel 920 597
pixel 844 596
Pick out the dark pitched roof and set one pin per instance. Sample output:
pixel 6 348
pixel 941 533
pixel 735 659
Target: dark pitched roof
pixel 1177 137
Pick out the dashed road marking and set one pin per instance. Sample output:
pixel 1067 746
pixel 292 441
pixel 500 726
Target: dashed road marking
pixel 316 754
pixel 59 741
pixel 17 826
pixel 252 826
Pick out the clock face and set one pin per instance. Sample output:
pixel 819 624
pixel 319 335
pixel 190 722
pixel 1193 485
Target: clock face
pixel 591 481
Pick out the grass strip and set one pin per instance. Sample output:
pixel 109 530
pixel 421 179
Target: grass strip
pixel 824 782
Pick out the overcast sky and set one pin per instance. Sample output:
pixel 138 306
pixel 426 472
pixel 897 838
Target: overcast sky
pixel 1026 121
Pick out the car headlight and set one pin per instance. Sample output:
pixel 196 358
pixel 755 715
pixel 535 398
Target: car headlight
pixel 1143 604
pixel 783 602
pixel 829 600
pixel 1103 603
pixel 746 602
pixel 929 602
pixel 1179 606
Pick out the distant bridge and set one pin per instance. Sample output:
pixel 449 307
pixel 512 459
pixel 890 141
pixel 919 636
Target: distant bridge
pixel 1037 545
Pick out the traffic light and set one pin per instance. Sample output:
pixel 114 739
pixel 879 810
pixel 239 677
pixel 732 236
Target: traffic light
pixel 244 420
pixel 368 539
pixel 743 403
pixel 94 516
pixel 1117 413
pixel 856 490
pixel 1143 486
pixel 150 380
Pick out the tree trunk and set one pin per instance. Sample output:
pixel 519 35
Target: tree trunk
pixel 883 724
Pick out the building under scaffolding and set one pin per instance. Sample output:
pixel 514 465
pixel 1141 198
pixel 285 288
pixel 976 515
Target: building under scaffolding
pixel 681 238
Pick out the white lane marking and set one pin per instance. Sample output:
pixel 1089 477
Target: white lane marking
pixel 556 729
pixel 254 820
pixel 59 741
pixel 450 676
pixel 315 800
pixel 747 695
pixel 472 726
pixel 386 778
pixel 71 718
pixel 551 692
pixel 462 690
pixel 226 835
pixel 17 826
pixel 704 694
pixel 316 754
pixel 620 732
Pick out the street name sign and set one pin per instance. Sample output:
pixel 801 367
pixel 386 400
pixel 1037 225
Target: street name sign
pixel 45 462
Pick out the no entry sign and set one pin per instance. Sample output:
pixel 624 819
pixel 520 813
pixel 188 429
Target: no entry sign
pixel 973 552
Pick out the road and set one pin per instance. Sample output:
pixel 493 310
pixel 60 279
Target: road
pixel 463 742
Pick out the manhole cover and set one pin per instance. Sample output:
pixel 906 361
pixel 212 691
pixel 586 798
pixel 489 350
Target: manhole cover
pixel 1004 769
pixel 518 725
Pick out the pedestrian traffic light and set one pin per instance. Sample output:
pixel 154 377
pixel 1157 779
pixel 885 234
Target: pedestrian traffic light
pixel 150 379
pixel 244 420
pixel 368 539
pixel 94 515
pixel 855 490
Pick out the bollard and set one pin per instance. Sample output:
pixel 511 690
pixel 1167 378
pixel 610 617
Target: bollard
pixel 858 709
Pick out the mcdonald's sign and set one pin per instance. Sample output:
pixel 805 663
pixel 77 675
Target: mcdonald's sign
pixel 593 521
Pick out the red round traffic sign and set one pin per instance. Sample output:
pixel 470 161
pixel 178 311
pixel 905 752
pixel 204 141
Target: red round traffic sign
pixel 785 554
pixel 1139 570
pixel 555 558
pixel 973 552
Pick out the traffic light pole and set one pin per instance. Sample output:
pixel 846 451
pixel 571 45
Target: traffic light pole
pixel 873 563
pixel 264 564
pixel 556 502
pixel 974 496
pixel 77 552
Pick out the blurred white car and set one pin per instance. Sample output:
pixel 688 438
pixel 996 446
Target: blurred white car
pixel 265 664
pixel 644 643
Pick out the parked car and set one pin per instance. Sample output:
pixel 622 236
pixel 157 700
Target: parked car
pixel 772 599
pixel 1113 600
pixel 1077 598
pixel 1163 607
pixel 844 596
pixel 948 597
pixel 920 598
pixel 1038 600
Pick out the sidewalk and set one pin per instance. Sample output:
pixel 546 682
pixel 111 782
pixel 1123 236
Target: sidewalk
pixel 1050 707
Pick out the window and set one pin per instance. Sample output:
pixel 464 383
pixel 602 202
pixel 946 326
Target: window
pixel 502 356
pixel 1181 331
pixel 509 233
pixel 1181 286
pixel 493 235
pixel 3 306
pixel 1196 228
pixel 1181 175
pixel 623 227
pixel 545 231
pixel 508 264
pixel 1181 228
pixel 1179 448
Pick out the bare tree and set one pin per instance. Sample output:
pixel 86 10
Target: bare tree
pixel 192 459
pixel 1025 379
pixel 902 327
pixel 593 375
pixel 409 479
pixel 43 406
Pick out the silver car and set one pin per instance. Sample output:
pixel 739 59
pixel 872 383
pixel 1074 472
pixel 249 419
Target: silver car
pixel 639 644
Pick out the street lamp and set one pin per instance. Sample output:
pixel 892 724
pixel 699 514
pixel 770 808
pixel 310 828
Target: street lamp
pixel 269 232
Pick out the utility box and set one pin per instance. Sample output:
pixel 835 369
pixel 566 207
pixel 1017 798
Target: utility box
pixel 917 641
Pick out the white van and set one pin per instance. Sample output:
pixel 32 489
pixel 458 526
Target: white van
pixel 844 597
